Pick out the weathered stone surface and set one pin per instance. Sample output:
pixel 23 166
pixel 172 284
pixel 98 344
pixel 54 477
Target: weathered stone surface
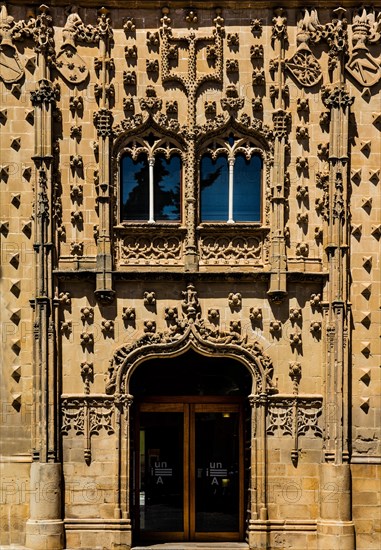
pixel 89 297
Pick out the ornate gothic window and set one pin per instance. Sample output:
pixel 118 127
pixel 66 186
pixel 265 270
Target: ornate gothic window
pixel 230 181
pixel 150 176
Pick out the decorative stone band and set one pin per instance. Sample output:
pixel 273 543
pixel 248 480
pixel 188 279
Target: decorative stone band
pixel 142 248
pixel 280 415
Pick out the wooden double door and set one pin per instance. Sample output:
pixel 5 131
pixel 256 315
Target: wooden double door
pixel 189 469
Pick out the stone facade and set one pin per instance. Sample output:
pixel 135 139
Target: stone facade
pixel 87 297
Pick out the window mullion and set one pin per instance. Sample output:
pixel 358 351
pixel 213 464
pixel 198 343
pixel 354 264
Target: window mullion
pixel 151 218
pixel 231 185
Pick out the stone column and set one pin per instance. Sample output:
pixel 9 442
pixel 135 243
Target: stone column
pixel 44 529
pixel 104 292
pixel 281 120
pixel 335 528
pixel 257 532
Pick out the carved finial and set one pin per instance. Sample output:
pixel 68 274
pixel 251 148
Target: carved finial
pixel 295 373
pixel 190 304
pixel 191 17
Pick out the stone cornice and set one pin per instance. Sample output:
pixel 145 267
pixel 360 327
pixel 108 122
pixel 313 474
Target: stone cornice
pixel 160 275
pixel 205 4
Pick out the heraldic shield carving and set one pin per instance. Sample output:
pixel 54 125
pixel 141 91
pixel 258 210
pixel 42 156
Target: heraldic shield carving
pixel 303 65
pixel 11 69
pixel 362 66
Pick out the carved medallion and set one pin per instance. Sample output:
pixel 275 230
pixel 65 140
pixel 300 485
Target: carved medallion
pixel 304 67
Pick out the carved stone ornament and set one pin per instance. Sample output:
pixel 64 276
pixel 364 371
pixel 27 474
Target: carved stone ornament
pixel 281 412
pixel 87 416
pixel 191 331
pixel 362 66
pixel 103 121
pixel 11 69
pixel 279 29
pixel 231 248
pixel 45 93
pixel 336 96
pixel 68 62
pixel 303 65
pixel 141 248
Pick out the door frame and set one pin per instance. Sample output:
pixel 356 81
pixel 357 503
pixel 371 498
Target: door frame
pixel 189 406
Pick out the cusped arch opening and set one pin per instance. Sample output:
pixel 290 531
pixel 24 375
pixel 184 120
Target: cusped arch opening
pixel 191 374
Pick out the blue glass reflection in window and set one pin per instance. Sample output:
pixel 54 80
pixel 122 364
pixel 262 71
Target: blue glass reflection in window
pixel 135 188
pixel 247 189
pixel 166 179
pixel 214 187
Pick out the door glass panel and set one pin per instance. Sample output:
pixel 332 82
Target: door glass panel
pixel 161 471
pixel 217 471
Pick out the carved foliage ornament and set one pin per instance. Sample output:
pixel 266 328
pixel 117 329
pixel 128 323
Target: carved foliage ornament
pixel 336 97
pixel 280 416
pixel 224 249
pixel 141 248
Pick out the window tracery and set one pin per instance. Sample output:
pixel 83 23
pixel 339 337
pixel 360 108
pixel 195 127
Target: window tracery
pixel 231 180
pixel 150 180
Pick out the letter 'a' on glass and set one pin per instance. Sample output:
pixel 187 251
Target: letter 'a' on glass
pixel 247 189
pixel 214 189
pixel 134 177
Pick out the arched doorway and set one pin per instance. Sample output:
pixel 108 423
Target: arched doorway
pixel 191 425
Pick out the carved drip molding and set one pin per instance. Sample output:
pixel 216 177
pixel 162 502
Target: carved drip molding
pixel 191 331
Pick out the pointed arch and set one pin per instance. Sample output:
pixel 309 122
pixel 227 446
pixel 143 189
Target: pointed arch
pixel 190 335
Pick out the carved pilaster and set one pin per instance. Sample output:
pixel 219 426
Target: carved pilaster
pixel 258 511
pixel 103 121
pixel 281 120
pixel 40 532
